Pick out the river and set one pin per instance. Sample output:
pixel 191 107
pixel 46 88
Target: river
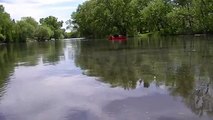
pixel 166 78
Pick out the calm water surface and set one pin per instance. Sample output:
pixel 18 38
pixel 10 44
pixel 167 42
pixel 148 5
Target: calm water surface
pixel 149 79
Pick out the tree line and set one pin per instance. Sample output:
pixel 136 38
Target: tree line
pixel 28 28
pixel 98 18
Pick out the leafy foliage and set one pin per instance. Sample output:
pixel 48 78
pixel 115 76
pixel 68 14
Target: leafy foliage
pixel 98 18
pixel 43 33
pixel 28 28
pixel 55 25
pixel 5 26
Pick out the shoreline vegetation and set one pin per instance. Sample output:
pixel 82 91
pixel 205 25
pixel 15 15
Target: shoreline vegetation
pixel 151 34
pixel 28 29
pixel 99 18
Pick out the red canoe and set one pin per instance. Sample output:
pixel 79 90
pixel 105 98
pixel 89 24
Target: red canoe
pixel 119 38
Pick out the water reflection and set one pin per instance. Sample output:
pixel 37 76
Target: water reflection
pixel 183 65
pixel 154 78
pixel 30 54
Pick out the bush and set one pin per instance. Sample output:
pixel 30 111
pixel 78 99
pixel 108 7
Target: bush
pixel 2 38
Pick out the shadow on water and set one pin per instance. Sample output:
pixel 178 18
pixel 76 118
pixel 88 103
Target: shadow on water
pixel 182 64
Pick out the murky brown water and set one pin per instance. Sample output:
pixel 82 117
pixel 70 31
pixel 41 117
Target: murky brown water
pixel 149 79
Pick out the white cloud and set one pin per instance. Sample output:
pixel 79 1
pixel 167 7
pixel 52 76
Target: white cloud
pixel 17 11
pixel 37 9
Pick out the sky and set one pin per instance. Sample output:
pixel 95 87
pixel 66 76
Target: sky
pixel 37 9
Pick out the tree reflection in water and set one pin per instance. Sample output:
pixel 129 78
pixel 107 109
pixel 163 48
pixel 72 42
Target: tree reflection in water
pixel 177 63
pixel 27 54
pixel 183 65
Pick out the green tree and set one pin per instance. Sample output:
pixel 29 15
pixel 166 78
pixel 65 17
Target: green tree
pixel 177 21
pixel 55 25
pixel 24 30
pixel 121 15
pixel 154 15
pixel 139 22
pixel 31 21
pixel 203 10
pixel 6 26
pixel 43 33
pixel 83 19
pixel 100 18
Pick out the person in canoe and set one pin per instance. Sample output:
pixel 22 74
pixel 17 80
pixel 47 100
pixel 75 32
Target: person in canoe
pixel 117 37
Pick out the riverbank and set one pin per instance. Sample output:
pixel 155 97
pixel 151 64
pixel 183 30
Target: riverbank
pixel 153 34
